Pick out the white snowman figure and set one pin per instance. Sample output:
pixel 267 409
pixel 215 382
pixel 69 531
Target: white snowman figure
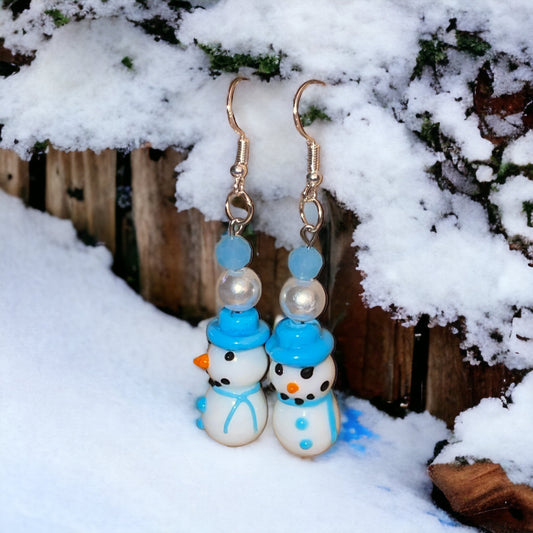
pixel 234 409
pixel 306 417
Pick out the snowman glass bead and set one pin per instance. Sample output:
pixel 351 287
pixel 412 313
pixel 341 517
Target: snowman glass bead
pixel 234 409
pixel 306 417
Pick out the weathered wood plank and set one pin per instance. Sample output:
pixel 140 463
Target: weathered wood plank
pixel 482 495
pixel 453 384
pixel 81 186
pixel 14 175
pixel 177 266
pixel 375 352
pixel 271 265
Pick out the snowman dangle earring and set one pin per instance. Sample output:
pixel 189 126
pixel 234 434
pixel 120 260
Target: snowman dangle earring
pixel 306 417
pixel 234 409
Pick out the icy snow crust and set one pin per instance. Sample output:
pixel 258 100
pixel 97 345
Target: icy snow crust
pixel 98 426
pixel 422 249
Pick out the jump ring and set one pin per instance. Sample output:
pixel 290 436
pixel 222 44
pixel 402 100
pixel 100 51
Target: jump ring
pixel 320 213
pixel 238 223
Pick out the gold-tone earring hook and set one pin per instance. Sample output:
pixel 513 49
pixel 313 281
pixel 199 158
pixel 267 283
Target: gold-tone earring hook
pixel 240 167
pixel 296 105
pixel 229 105
pixel 239 170
pixel 309 231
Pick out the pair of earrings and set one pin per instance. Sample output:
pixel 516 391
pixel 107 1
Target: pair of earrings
pixel 234 411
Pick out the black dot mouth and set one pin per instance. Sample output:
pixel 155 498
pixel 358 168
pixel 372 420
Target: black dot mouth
pixel 298 401
pixel 225 381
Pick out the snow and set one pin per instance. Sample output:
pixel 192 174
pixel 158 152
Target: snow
pixel 475 439
pixel 510 198
pixel 520 151
pixel 98 426
pixel 422 249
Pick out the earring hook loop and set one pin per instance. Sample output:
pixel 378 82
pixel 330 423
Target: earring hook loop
pixel 238 196
pixel 296 112
pixel 229 105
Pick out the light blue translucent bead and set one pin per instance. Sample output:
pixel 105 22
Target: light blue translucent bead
pixel 305 263
pixel 234 252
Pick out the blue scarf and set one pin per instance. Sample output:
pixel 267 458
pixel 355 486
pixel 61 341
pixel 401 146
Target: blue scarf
pixel 313 403
pixel 241 397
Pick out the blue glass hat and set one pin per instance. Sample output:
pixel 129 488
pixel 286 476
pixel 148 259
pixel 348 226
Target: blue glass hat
pixel 234 330
pixel 299 343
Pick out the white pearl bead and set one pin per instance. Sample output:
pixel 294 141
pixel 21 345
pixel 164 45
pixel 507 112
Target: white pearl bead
pixel 239 290
pixel 302 300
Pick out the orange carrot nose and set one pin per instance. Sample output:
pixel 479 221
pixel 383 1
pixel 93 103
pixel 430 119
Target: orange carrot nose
pixel 292 387
pixel 202 361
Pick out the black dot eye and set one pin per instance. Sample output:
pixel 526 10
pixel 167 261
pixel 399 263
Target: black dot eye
pixel 278 369
pixel 324 386
pixel 225 381
pixel 307 372
pixel 229 356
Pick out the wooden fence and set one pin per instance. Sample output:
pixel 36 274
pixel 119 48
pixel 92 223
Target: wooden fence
pixel 127 203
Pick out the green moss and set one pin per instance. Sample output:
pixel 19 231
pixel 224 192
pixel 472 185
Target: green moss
pixel 160 29
pixel 430 133
pixel 471 43
pixel 312 114
pixel 512 169
pixel 432 53
pixel 527 208
pixel 127 62
pixel 506 170
pixel 266 65
pixel 59 18
pixel 41 146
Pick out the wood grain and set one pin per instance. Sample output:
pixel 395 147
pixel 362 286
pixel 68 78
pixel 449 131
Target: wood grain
pixel 482 495
pixel 14 175
pixel 454 384
pixel 177 267
pixel 271 265
pixel 81 186
pixel 374 351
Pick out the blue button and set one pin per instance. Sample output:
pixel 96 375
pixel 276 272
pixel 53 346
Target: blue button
pixel 306 444
pixel 201 404
pixel 302 423
pixel 200 423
